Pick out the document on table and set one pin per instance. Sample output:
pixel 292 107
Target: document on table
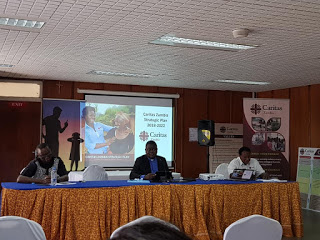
pixel 65 183
pixel 272 180
pixel 138 181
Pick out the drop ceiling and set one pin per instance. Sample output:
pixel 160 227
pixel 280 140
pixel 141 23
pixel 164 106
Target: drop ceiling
pixel 114 36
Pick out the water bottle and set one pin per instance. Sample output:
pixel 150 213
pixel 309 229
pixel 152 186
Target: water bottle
pixel 53 176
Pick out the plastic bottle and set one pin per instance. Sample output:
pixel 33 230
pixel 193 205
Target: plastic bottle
pixel 53 176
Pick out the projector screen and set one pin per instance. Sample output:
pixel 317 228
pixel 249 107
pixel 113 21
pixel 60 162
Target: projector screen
pixel 117 128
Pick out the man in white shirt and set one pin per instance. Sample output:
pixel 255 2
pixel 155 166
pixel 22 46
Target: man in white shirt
pixel 245 162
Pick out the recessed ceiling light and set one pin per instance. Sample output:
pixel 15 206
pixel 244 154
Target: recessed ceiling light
pixel 6 65
pixel 14 22
pixel 176 41
pixel 95 72
pixel 242 82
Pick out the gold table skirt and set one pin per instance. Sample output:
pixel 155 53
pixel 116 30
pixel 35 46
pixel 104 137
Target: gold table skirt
pixel 201 211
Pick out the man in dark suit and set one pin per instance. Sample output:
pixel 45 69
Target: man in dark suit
pixel 147 165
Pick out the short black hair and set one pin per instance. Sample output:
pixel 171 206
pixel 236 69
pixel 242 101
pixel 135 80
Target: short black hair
pixel 86 110
pixel 151 142
pixel 244 149
pixel 42 146
pixel 150 230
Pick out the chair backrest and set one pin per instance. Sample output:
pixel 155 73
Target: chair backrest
pixel 254 227
pixel 13 227
pixel 223 169
pixel 95 173
pixel 144 219
pixel 22 170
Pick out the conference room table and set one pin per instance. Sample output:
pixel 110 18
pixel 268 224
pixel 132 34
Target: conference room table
pixel 202 209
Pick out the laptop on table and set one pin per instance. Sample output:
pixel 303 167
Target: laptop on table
pixel 242 175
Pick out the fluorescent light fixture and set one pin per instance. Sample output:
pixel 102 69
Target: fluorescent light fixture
pixel 242 82
pixel 176 41
pixel 95 72
pixel 6 65
pixel 14 22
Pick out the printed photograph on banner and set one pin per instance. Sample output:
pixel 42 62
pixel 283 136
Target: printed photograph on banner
pixel 273 124
pixel 258 124
pixel 258 138
pixel 276 142
pixel 266 133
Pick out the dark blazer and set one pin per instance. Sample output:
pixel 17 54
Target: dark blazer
pixel 142 166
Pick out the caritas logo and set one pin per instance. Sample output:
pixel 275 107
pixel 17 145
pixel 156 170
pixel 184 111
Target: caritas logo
pixel 255 108
pixel 144 136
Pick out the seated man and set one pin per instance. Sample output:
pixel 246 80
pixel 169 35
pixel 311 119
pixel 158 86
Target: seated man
pixel 245 162
pixel 147 165
pixel 39 169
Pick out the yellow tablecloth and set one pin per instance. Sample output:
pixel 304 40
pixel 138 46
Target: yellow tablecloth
pixel 202 211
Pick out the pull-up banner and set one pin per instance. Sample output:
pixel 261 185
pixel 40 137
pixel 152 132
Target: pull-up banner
pixel 266 132
pixel 308 177
pixel 60 126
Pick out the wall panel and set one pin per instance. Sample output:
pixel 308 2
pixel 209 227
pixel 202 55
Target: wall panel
pixel 58 89
pixel 84 85
pixel 219 107
pixel 195 106
pixel 282 93
pixel 178 125
pixel 116 87
pixel 21 134
pixel 268 94
pixel 145 89
pixel 315 116
pixel 299 125
pixel 237 106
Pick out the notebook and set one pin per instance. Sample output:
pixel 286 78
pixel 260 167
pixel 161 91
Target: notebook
pixel 242 175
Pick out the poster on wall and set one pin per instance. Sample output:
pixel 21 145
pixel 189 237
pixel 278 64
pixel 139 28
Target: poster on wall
pixel 61 131
pixel 266 132
pixel 308 177
pixel 228 140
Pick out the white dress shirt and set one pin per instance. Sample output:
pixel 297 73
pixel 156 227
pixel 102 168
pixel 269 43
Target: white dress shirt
pixel 238 164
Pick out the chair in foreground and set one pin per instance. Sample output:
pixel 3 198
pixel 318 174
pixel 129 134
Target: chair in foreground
pixel 94 173
pixel 223 169
pixel 254 227
pixel 148 227
pixel 14 227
